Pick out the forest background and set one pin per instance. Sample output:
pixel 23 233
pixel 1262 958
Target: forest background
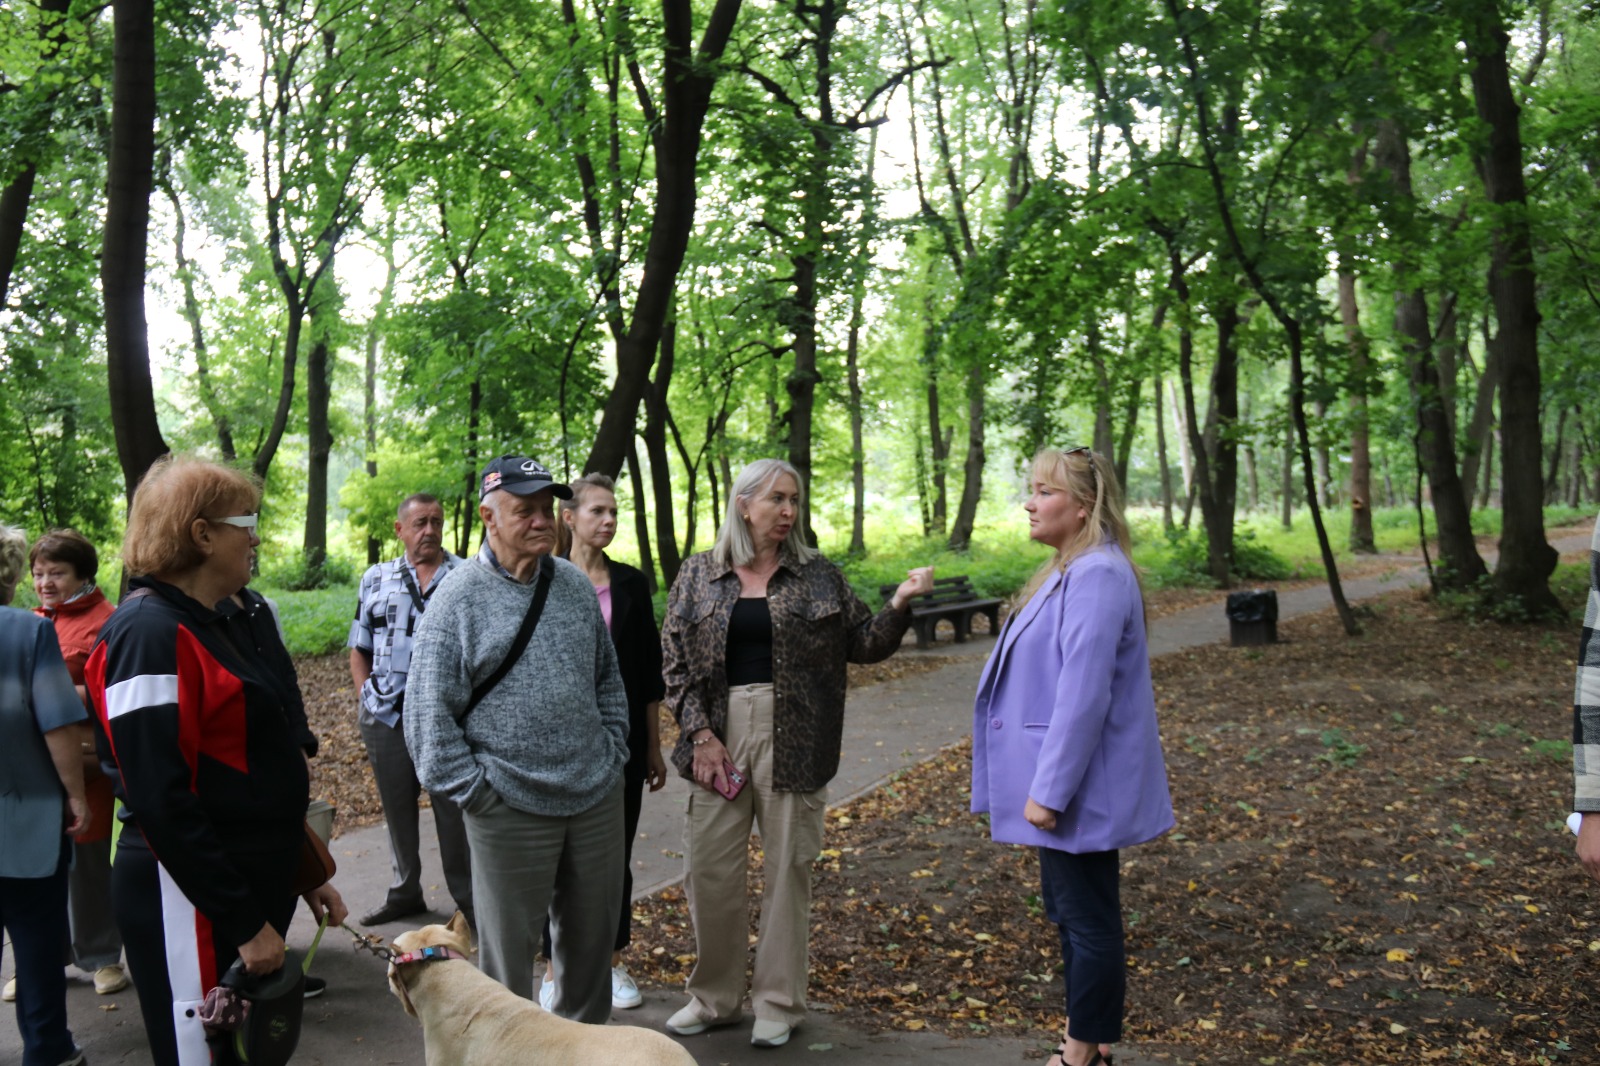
pixel 1326 267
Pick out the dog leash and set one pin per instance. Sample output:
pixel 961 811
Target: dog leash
pixel 311 953
pixel 370 942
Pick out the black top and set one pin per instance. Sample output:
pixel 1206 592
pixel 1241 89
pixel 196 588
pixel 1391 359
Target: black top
pixel 207 760
pixel 750 643
pixel 253 628
pixel 638 644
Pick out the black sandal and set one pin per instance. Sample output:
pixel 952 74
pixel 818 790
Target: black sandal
pixel 1098 1060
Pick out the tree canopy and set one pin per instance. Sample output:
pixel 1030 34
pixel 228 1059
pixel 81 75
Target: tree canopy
pixel 1334 254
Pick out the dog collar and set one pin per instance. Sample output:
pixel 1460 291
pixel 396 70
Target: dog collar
pixel 427 955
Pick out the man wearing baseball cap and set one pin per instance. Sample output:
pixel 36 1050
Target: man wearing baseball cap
pixel 515 710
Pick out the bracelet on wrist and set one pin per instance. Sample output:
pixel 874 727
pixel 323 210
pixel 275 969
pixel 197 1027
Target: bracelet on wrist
pixel 708 738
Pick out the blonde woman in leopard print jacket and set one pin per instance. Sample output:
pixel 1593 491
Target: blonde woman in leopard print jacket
pixel 755 642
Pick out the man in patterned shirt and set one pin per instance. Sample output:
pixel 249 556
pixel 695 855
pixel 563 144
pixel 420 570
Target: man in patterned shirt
pixel 391 601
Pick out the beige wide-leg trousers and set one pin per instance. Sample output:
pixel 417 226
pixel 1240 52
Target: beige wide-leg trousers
pixel 716 839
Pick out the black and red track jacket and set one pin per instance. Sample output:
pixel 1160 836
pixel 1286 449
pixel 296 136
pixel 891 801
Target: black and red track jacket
pixel 207 762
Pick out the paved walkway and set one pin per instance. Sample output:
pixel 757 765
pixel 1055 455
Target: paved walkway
pixel 890 726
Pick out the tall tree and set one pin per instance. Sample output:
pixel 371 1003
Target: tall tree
pixel 1458 551
pixel 689 75
pixel 1526 558
pixel 130 178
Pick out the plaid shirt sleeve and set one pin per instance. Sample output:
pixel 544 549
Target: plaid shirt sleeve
pixel 1586 699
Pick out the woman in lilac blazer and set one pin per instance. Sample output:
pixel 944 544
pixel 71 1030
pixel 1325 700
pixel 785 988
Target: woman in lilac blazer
pixel 1066 756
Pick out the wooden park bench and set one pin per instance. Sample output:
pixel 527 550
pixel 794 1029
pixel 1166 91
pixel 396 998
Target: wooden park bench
pixel 953 598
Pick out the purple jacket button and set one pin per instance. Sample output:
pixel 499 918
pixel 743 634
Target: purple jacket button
pixel 997 723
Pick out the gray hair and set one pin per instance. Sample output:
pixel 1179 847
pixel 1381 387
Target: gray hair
pixel 734 546
pixel 13 556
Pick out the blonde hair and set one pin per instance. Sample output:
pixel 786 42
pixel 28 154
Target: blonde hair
pixel 175 491
pixel 734 546
pixel 13 555
pixel 570 506
pixel 1089 478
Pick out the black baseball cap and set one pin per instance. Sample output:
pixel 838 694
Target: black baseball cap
pixel 520 476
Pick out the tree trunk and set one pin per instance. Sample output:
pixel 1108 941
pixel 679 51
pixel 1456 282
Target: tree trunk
pixel 691 73
pixel 369 381
pixel 801 383
pixel 474 407
pixel 972 470
pixel 197 335
pixel 13 222
pixel 655 446
pixel 319 435
pixel 939 443
pixel 1287 517
pixel 1461 566
pixel 130 176
pixel 1480 427
pixel 1486 493
pixel 1185 461
pixel 1130 430
pixel 15 197
pixel 1161 459
pixel 858 474
pixel 1224 460
pixel 1325 489
pixel 1526 558
pixel 1362 540
pixel 852 355
pixel 1552 479
pixel 641 518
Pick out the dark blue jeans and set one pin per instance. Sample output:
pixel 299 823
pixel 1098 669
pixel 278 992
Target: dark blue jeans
pixel 34 911
pixel 1083 896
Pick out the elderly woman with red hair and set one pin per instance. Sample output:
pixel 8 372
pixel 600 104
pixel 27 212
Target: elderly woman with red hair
pixel 205 758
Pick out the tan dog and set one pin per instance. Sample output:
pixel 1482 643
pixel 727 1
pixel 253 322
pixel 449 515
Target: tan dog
pixel 470 1019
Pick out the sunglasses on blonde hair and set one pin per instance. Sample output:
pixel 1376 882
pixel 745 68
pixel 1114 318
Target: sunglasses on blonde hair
pixel 1084 450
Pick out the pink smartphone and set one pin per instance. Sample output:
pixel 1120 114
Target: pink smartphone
pixel 736 781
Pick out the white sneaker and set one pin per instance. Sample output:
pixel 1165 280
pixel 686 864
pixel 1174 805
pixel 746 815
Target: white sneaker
pixel 687 1022
pixel 109 979
pixel 9 993
pixel 769 1033
pixel 547 993
pixel 624 992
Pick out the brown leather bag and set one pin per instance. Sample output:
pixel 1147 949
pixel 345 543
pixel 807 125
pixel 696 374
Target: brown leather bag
pixel 316 867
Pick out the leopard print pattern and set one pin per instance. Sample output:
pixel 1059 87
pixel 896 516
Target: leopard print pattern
pixel 818 625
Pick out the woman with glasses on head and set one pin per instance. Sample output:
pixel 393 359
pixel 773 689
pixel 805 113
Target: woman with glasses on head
pixel 1066 755
pixel 205 755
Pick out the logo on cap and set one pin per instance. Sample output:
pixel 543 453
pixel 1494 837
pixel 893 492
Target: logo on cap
pixel 532 467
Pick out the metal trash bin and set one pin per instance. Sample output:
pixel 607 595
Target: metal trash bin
pixel 1252 617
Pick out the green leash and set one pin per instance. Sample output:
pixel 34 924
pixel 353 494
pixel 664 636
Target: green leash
pixel 311 952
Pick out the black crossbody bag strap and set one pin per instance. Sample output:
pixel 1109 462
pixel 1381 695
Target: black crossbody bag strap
pixel 417 598
pixel 530 621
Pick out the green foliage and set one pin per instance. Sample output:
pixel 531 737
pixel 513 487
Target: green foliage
pixel 295 574
pixel 1340 750
pixel 1182 562
pixel 995 573
pixel 315 621
pixel 1555 749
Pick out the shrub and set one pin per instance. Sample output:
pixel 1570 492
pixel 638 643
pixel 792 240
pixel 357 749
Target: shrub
pixel 297 575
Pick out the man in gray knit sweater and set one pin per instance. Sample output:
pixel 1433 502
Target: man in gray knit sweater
pixel 536 763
